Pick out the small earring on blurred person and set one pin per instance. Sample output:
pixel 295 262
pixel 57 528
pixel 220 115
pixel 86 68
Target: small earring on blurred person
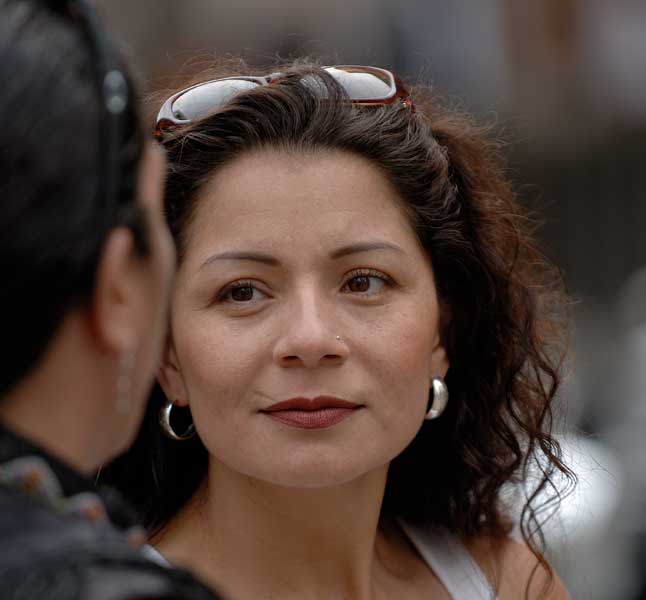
pixel 87 264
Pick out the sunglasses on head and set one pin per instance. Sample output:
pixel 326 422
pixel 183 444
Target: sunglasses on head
pixel 369 86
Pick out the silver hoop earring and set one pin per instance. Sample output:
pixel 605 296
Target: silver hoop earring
pixel 124 383
pixel 440 398
pixel 167 428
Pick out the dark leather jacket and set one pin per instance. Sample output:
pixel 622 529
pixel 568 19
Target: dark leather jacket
pixel 61 539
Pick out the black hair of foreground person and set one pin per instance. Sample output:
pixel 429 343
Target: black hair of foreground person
pixel 59 207
pixel 52 222
pixel 506 338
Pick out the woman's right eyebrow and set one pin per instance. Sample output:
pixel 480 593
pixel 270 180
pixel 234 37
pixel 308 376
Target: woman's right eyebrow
pixel 265 259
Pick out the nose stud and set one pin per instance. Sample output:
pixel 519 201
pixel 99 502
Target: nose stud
pixel 338 338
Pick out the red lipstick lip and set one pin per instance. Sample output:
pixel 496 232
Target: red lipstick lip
pixel 311 404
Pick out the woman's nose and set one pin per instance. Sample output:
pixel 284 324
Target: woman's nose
pixel 309 337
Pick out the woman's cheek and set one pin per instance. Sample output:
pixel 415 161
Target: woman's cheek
pixel 405 368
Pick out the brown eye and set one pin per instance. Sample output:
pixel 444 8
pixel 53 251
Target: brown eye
pixel 366 283
pixel 359 284
pixel 242 294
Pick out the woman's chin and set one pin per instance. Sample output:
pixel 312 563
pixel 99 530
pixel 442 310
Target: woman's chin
pixel 310 474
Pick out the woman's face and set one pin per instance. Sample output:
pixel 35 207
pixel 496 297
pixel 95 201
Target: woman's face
pixel 303 287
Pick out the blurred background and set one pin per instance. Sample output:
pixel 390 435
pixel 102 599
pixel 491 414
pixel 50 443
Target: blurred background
pixel 564 80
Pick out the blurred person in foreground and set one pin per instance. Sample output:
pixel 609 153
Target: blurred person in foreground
pixel 363 352
pixel 87 262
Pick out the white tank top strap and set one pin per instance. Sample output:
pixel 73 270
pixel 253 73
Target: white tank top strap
pixel 450 561
pixel 154 555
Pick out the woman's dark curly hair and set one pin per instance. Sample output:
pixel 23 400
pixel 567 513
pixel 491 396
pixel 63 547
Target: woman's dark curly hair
pixel 506 331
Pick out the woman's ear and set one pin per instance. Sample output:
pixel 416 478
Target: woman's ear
pixel 439 360
pixel 170 377
pixel 439 356
pixel 115 310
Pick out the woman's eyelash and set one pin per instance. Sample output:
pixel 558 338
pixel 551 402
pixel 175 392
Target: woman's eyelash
pixel 368 273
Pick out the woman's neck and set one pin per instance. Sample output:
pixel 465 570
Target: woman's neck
pixel 253 539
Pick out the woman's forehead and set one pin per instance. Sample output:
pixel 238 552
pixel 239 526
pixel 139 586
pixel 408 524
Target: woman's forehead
pixel 316 191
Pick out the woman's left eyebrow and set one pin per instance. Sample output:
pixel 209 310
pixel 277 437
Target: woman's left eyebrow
pixel 365 247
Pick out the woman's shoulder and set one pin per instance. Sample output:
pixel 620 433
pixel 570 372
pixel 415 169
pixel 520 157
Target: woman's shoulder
pixel 484 566
pixel 510 566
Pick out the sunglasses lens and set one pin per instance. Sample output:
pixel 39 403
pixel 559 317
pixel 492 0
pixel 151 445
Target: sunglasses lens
pixel 197 102
pixel 362 84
